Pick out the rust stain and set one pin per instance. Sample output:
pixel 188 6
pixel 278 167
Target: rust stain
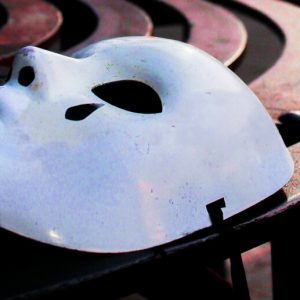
pixel 36 86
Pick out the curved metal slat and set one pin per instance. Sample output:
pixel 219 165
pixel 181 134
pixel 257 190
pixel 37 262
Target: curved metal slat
pixel 213 29
pixel 29 22
pixel 116 18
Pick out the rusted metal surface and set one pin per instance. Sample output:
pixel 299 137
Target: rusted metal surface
pixel 116 18
pixel 279 87
pixel 213 29
pixel 33 22
pixel 29 22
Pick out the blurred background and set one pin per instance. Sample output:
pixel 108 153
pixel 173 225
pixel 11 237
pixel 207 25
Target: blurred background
pixel 259 41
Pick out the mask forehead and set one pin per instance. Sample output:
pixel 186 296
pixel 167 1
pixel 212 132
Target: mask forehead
pixel 120 181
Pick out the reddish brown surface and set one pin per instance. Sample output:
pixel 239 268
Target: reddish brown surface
pixel 30 22
pixel 116 18
pixel 35 21
pixel 213 29
pixel 279 87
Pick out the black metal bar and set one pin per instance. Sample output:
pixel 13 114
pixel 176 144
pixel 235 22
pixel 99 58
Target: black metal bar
pixel 238 274
pixel 285 257
pixel 238 277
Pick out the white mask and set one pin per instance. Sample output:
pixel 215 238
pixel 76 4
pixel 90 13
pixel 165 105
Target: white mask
pixel 119 180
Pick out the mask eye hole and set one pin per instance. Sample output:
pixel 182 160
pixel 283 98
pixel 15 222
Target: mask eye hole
pixel 26 76
pixel 130 95
pixel 80 112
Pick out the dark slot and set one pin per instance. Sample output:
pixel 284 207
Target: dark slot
pixel 26 76
pixel 80 21
pixel 80 112
pixel 289 128
pixel 168 22
pixel 3 15
pixel 130 95
pixel 264 36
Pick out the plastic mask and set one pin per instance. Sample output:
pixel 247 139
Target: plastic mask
pixel 83 170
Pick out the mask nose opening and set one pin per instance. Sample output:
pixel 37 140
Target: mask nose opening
pixel 26 76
